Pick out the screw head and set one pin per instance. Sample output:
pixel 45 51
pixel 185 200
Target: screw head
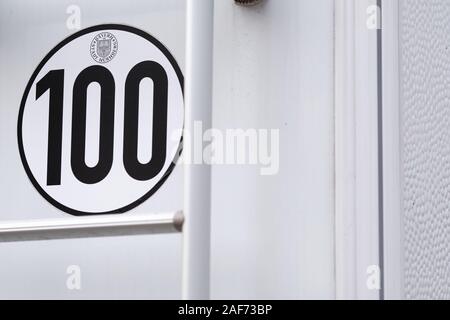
pixel 247 2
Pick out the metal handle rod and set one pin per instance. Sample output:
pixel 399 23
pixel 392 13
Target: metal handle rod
pixel 86 227
pixel 197 182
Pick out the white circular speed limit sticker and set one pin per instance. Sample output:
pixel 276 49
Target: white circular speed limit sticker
pixel 100 122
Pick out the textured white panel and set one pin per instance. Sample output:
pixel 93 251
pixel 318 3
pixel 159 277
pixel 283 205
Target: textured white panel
pixel 425 120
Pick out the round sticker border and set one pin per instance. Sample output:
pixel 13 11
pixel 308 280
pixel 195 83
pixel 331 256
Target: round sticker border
pixel 72 37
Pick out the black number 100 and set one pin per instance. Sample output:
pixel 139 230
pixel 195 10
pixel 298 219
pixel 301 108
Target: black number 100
pixel 53 82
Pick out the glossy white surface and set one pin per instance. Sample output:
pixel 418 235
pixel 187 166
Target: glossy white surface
pixel 425 121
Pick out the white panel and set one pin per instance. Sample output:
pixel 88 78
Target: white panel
pixel 425 120
pixel 392 190
pixel 273 235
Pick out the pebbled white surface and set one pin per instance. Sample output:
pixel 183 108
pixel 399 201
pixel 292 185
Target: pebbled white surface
pixel 425 121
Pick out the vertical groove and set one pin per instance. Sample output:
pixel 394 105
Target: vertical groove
pixel 380 149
